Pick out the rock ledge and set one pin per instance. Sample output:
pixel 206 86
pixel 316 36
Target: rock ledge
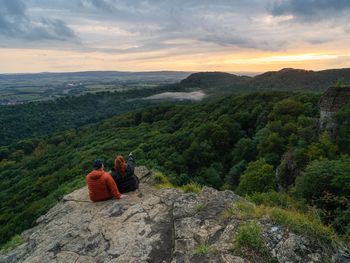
pixel 154 226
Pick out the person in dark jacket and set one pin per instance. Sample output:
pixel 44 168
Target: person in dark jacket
pixel 123 174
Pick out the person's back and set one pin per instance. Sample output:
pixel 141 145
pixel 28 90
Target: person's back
pixel 101 185
pixel 123 174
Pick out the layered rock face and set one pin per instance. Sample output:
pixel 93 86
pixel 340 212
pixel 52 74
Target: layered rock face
pixel 331 101
pixel 150 225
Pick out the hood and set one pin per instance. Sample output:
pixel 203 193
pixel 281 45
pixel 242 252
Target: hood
pixel 96 174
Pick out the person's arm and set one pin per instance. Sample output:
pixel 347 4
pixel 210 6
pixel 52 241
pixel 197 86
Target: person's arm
pixel 112 186
pixel 131 164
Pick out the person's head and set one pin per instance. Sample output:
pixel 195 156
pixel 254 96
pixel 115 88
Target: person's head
pixel 98 164
pixel 120 165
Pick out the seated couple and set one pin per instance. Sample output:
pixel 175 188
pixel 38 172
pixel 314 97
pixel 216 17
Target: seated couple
pixel 121 179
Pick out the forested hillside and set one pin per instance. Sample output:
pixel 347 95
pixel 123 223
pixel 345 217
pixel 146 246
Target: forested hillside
pixel 41 118
pixel 233 143
pixel 287 79
pixel 300 80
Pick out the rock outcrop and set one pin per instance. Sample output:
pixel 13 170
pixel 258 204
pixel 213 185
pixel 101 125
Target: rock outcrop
pixel 331 101
pixel 154 225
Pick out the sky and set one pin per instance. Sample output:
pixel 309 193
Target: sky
pixel 184 35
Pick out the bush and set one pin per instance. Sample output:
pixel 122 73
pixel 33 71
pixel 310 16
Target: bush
pixel 323 177
pixel 233 176
pixel 258 177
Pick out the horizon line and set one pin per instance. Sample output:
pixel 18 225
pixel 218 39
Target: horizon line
pixel 165 70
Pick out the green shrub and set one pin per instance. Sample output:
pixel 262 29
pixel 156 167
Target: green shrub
pixel 12 243
pixel 258 177
pixel 324 177
pixel 202 249
pixel 249 236
pixel 159 178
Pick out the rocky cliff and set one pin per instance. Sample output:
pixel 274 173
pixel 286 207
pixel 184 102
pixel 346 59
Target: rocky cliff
pixel 157 225
pixel 331 101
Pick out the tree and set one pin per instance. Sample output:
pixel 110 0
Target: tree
pixel 258 177
pixel 342 119
pixel 233 176
pixel 287 107
pixel 213 175
pixel 324 148
pixel 244 150
pixel 324 177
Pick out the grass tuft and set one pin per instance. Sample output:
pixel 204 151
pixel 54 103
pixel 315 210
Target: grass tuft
pixel 249 236
pixel 199 207
pixel 191 187
pixel 241 209
pixel 202 249
pixel 12 243
pixel 302 224
pixel 296 221
pixel 161 180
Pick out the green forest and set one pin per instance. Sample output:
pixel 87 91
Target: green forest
pixel 266 146
pixel 41 118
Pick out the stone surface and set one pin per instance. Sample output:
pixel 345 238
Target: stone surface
pixel 330 102
pixel 156 226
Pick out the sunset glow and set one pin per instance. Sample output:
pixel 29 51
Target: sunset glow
pixel 231 36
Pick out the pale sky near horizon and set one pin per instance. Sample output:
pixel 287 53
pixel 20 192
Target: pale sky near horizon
pixel 186 35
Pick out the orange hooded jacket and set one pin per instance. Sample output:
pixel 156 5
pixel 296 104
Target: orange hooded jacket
pixel 101 186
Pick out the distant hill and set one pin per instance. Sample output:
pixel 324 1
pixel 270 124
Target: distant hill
pixel 216 81
pixel 298 79
pixel 100 75
pixel 287 79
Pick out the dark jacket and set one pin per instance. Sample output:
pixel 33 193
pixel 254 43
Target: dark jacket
pixel 128 182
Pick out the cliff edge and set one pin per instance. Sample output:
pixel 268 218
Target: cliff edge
pixel 157 225
pixel 330 102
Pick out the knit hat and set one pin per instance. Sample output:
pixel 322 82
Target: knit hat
pixel 98 163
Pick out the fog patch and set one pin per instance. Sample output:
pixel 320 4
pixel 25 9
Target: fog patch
pixel 195 96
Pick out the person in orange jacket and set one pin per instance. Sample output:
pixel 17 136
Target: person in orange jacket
pixel 101 184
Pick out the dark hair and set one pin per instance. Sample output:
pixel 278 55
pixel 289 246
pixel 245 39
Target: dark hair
pixel 98 164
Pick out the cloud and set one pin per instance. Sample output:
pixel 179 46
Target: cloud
pixel 245 42
pixel 223 22
pixel 310 10
pixel 15 23
pixel 153 32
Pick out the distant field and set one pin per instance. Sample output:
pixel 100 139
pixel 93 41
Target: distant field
pixel 24 88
